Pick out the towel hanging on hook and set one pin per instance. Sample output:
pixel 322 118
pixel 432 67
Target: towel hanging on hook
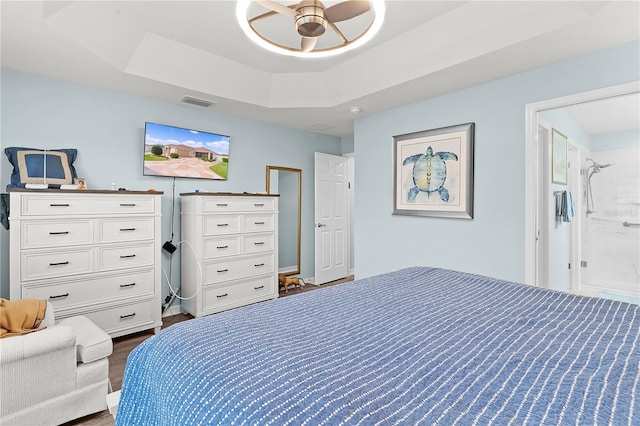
pixel 565 207
pixel 569 207
pixel 559 197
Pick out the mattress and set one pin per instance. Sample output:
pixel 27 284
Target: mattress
pixel 415 346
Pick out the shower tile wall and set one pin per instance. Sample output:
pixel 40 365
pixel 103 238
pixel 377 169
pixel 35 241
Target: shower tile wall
pixel 611 250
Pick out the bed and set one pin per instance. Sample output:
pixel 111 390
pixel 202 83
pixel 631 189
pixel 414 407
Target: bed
pixel 415 346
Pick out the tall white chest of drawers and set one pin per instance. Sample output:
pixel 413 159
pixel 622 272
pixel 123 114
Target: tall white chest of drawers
pixel 229 250
pixel 92 253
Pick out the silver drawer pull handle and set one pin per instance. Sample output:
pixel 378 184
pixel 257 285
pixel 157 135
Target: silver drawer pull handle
pixel 258 265
pixel 259 243
pixel 127 229
pixel 259 223
pixel 222 224
pixel 221 205
pixel 259 204
pixel 58 205
pixel 222 295
pixel 127 205
pixel 127 285
pixel 59 233
pixel 60 296
pixel 222 270
pixel 222 247
pixel 127 316
pixel 127 256
pixel 59 263
pixel 258 288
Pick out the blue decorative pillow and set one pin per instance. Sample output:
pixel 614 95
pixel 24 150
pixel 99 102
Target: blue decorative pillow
pixel 32 165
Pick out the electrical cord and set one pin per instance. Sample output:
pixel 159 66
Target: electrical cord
pixel 173 205
pixel 174 293
pixel 168 301
pixel 170 247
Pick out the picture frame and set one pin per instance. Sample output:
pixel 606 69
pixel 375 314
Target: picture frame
pixel 558 157
pixel 81 182
pixel 433 172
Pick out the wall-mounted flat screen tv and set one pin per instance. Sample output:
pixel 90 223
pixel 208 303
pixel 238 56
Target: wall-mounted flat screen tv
pixel 178 152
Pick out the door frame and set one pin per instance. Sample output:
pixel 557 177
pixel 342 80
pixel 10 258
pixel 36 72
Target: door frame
pixel 543 219
pixel 351 162
pixel 574 185
pixel 533 171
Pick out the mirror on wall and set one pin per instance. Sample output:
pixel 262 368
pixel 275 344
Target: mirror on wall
pixel 287 182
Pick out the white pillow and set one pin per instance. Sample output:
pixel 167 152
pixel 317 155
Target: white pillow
pixel 49 320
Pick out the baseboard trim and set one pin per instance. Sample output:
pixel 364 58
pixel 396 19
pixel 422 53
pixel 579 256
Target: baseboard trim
pixel 312 281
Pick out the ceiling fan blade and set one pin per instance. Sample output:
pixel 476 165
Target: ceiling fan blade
pixel 347 10
pixel 277 7
pixel 308 43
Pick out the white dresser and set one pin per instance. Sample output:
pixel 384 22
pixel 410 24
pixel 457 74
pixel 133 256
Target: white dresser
pixel 229 251
pixel 92 253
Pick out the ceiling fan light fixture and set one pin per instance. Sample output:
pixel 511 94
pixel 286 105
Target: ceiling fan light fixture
pixel 310 22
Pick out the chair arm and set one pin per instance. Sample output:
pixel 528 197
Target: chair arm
pixel 92 343
pixel 36 343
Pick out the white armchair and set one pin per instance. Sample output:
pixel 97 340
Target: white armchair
pixel 54 375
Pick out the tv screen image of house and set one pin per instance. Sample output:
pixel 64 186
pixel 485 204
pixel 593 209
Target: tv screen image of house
pixel 178 152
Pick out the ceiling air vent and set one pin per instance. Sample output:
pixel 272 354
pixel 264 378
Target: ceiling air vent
pixel 318 127
pixel 198 102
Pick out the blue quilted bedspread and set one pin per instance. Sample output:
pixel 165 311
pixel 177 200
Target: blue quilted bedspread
pixel 416 346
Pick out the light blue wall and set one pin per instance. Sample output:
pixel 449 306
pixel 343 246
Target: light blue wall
pixel 107 128
pixel 493 242
pixel 563 122
pixel 347 144
pixel 616 140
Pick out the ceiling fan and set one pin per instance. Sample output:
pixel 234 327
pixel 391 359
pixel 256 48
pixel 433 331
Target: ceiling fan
pixel 311 18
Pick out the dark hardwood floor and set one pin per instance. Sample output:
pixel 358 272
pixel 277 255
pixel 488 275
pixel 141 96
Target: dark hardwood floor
pixel 122 346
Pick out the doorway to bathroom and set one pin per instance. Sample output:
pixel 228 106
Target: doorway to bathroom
pixel 598 251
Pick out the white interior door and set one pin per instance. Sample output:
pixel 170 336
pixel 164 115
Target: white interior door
pixel 331 218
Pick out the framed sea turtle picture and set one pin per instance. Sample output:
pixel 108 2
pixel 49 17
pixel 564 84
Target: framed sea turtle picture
pixel 433 172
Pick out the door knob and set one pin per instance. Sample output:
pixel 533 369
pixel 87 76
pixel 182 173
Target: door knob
pixel 320 225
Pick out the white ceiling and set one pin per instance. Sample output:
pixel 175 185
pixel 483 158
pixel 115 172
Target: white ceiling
pixel 169 49
pixel 616 114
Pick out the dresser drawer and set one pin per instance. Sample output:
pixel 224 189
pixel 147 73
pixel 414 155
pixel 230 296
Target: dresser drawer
pixel 58 263
pixel 237 294
pixel 238 205
pixel 258 223
pixel 89 291
pixel 119 318
pixel 221 246
pixel 256 243
pixel 217 271
pixel 72 204
pixel 125 229
pixel 56 233
pixel 221 225
pixel 126 256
